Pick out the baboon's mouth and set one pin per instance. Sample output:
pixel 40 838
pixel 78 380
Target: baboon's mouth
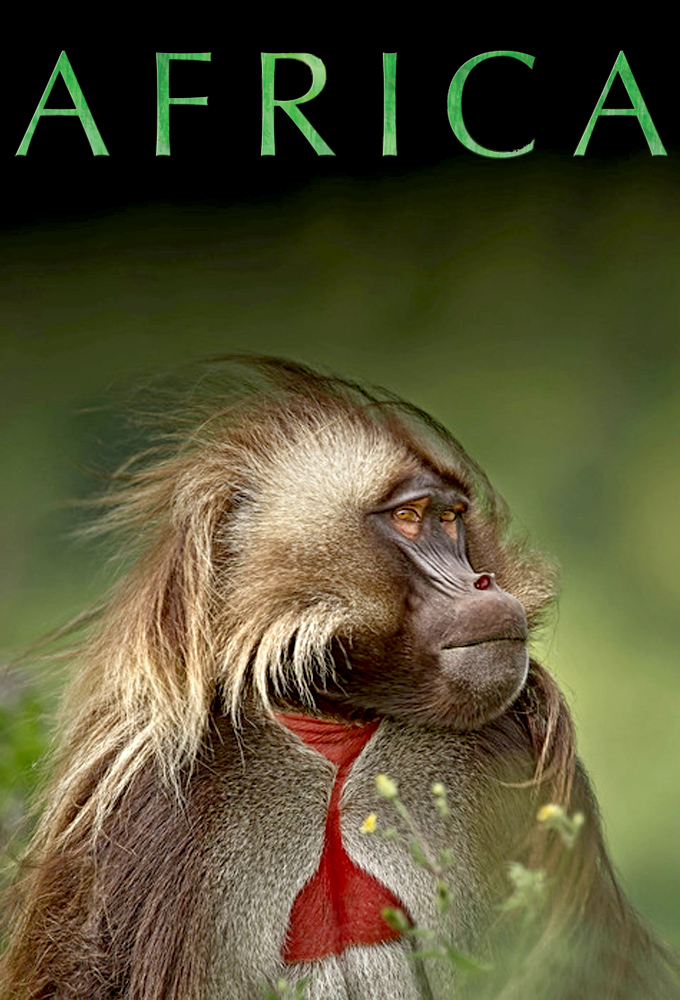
pixel 483 642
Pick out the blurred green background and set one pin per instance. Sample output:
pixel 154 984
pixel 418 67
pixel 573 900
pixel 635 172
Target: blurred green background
pixel 530 306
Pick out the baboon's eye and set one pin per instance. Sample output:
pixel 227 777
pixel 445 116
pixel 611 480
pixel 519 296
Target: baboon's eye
pixel 407 514
pixel 449 515
pixel 409 517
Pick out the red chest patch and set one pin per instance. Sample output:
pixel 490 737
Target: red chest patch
pixel 341 904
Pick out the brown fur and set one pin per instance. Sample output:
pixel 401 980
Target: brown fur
pixel 175 674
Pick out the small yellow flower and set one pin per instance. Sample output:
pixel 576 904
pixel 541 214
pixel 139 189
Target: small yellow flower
pixel 386 787
pixel 548 812
pixel 369 824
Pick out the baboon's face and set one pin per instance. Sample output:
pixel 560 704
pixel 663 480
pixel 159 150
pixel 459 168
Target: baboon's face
pixel 458 656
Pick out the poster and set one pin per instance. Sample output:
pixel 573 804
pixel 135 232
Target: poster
pixel 529 301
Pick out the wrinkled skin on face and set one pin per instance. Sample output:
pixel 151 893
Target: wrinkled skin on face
pixel 459 656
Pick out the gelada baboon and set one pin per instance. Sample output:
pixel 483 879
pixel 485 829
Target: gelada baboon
pixel 324 590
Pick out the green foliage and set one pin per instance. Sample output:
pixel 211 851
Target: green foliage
pixel 284 990
pixel 528 889
pixel 23 742
pixel 529 886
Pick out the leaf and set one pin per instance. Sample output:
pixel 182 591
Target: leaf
pixel 418 854
pixel 396 919
pixel 465 962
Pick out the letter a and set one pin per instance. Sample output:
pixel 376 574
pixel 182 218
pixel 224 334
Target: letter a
pixel 639 109
pixel 81 109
